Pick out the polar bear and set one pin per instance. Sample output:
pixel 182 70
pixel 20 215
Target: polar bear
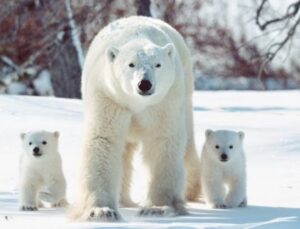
pixel 137 86
pixel 41 175
pixel 223 169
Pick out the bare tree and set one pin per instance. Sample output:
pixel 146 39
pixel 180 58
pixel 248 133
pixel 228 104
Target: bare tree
pixel 290 20
pixel 41 33
pixel 143 7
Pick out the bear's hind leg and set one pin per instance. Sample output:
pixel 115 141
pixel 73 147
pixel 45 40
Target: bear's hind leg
pixel 192 160
pixel 192 168
pixel 125 199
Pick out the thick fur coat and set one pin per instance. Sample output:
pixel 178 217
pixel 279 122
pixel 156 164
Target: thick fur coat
pixel 223 169
pixel 41 174
pixel 137 89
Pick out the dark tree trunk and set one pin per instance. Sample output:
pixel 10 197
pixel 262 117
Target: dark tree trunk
pixel 65 70
pixel 143 7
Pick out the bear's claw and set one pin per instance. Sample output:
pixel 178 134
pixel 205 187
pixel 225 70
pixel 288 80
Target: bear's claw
pixel 243 204
pixel 103 214
pixel 220 206
pixel 28 208
pixel 61 204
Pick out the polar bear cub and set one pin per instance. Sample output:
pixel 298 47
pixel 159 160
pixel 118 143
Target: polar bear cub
pixel 41 175
pixel 223 169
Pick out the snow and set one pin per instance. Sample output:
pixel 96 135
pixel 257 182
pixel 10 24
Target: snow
pixel 271 121
pixel 16 88
pixel 212 82
pixel 42 83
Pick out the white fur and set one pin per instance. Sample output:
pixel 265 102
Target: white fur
pixel 223 182
pixel 41 177
pixel 117 118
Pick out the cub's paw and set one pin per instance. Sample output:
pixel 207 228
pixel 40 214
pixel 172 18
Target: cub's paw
pixel 104 214
pixel 243 203
pixel 156 211
pixel 61 204
pixel 28 208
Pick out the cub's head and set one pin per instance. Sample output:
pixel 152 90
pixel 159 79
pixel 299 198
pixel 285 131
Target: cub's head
pixel 142 70
pixel 224 145
pixel 39 144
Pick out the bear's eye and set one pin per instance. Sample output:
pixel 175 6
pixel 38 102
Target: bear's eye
pixel 158 65
pixel 217 146
pixel 231 147
pixel 30 143
pixel 131 65
pixel 44 142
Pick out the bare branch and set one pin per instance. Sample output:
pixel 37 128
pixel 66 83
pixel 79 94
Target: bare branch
pixel 291 11
pixel 290 27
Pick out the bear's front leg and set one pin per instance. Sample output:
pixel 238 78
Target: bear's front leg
pixel 213 187
pixel 125 199
pixel 236 196
pixel 100 172
pixel 28 201
pixel 164 156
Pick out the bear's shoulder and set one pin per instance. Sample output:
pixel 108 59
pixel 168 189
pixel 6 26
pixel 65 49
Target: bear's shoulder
pixel 123 30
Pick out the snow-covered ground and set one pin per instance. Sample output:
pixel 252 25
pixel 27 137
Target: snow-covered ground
pixel 271 121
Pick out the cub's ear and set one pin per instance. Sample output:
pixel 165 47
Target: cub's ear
pixel 56 134
pixel 112 53
pixel 241 135
pixel 169 49
pixel 22 135
pixel 208 133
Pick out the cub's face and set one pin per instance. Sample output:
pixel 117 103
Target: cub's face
pixel 39 144
pixel 143 71
pixel 224 145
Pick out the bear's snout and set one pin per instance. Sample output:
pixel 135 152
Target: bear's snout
pixel 224 157
pixel 144 87
pixel 36 151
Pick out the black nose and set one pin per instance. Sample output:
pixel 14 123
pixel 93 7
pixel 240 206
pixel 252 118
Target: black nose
pixel 224 157
pixel 144 85
pixel 36 149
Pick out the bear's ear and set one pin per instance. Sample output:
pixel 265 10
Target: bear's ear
pixel 208 133
pixel 22 135
pixel 241 135
pixel 169 49
pixel 56 134
pixel 111 53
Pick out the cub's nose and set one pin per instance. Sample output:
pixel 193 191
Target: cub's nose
pixel 144 85
pixel 36 150
pixel 224 157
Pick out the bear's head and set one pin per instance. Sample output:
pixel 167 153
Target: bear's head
pixel 224 145
pixel 143 71
pixel 40 144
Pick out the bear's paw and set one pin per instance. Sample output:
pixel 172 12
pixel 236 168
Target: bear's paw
pixel 104 214
pixel 28 208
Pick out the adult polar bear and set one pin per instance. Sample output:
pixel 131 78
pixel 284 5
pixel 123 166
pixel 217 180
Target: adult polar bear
pixel 137 88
